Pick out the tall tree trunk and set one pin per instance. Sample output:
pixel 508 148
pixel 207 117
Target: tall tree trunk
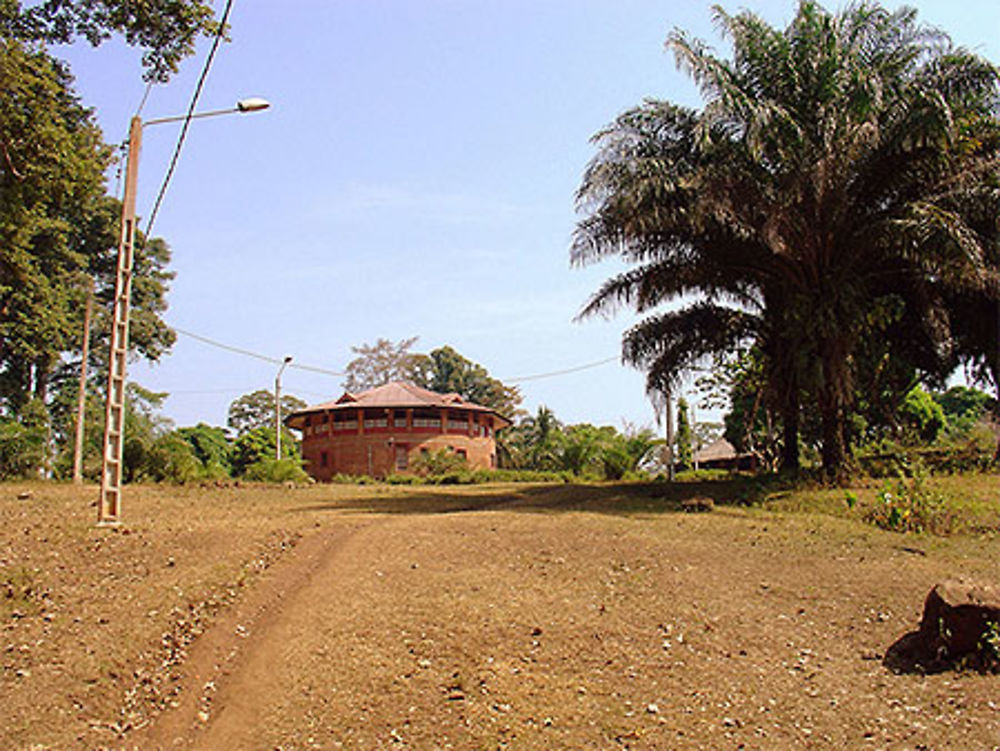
pixel 43 367
pixel 790 460
pixel 832 417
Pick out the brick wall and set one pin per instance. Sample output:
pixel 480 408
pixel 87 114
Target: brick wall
pixel 377 454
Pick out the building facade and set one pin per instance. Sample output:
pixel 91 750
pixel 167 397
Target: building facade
pixel 381 431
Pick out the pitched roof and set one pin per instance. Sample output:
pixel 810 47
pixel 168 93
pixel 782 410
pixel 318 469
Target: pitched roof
pixel 716 451
pixel 397 394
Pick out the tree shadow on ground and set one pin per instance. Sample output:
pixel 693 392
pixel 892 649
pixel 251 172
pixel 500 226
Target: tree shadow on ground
pixel 618 499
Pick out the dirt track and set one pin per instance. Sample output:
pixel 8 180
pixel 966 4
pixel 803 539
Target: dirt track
pixel 526 627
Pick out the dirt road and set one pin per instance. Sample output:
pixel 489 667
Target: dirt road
pixel 544 628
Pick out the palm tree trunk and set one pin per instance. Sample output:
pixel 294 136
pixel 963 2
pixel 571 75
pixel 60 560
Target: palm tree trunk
pixel 790 460
pixel 832 417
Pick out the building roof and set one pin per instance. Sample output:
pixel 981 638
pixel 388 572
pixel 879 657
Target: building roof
pixel 716 451
pixel 395 395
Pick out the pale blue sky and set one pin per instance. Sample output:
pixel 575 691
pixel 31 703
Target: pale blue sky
pixel 415 176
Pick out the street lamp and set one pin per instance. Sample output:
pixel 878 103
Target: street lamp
pixel 109 507
pixel 277 408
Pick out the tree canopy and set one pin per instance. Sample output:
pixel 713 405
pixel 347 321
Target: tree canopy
pixel 443 370
pixel 837 185
pixel 165 29
pixel 256 410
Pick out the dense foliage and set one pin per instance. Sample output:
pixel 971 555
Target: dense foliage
pixel 833 204
pixel 165 29
pixel 256 410
pixel 541 442
pixel 59 233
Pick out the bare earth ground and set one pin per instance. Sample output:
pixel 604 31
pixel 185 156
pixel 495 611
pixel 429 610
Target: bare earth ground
pixel 559 617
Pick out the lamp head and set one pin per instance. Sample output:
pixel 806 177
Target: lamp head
pixel 252 104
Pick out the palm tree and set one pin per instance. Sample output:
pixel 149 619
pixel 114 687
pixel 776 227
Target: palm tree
pixel 825 190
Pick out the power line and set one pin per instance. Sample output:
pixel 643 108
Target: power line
pixel 190 114
pixel 255 355
pixel 145 97
pixel 566 371
pixel 340 374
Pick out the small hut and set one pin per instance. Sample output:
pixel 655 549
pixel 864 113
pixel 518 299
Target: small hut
pixel 721 454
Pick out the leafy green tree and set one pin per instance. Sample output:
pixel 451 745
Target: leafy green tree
pixel 166 29
pixel 58 229
pixel 531 443
pixel 627 451
pixel 23 442
pixel 838 164
pixel 52 161
pixel 256 410
pixel 211 448
pixel 446 371
pixel 580 447
pixel 256 447
pixel 964 406
pixel 170 458
pixel 143 426
pixel 683 436
pixel 922 416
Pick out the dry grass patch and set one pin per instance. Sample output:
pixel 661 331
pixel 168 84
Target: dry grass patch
pixel 504 616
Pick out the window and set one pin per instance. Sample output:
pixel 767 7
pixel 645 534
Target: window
pixel 324 459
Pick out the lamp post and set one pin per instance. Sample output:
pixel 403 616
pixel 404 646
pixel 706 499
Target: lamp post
pixel 277 408
pixel 109 506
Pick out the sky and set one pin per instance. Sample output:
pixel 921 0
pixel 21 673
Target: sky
pixel 414 176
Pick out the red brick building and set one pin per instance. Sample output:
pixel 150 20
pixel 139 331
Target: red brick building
pixel 382 430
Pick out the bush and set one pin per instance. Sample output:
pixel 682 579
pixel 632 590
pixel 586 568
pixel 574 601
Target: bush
pixel 171 459
pixel 922 416
pixel 440 462
pixel 908 505
pixel 273 470
pixel 22 450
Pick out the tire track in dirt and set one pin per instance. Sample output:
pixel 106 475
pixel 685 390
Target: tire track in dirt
pixel 234 639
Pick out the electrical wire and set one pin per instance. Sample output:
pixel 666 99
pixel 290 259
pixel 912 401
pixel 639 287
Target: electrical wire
pixel 339 374
pixel 187 118
pixel 256 355
pixel 145 98
pixel 566 371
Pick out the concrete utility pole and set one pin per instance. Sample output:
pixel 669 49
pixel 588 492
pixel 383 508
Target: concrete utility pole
pixel 277 408
pixel 696 444
pixel 670 434
pixel 81 398
pixel 109 505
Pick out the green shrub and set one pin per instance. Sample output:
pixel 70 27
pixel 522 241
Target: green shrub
pixel 907 504
pixel 440 462
pixel 22 450
pixel 922 416
pixel 171 459
pixel 273 470
pixel 398 479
